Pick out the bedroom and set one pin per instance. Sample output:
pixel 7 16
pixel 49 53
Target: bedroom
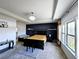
pixel 55 20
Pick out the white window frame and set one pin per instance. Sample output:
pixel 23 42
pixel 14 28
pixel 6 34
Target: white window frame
pixel 63 33
pixel 74 52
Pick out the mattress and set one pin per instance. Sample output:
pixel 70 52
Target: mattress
pixel 38 37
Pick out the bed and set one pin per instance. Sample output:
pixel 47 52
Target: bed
pixel 35 41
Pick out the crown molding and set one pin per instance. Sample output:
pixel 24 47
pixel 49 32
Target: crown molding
pixel 6 12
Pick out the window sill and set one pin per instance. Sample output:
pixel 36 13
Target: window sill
pixel 74 54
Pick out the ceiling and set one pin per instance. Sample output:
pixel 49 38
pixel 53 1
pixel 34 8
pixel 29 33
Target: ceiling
pixel 62 7
pixel 44 10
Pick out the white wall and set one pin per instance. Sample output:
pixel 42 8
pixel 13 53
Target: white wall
pixel 21 28
pixel 68 17
pixel 59 32
pixel 8 33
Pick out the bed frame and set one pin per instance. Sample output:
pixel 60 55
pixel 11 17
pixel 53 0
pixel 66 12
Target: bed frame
pixel 34 43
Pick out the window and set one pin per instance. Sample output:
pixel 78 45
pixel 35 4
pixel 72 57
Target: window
pixel 63 33
pixel 71 36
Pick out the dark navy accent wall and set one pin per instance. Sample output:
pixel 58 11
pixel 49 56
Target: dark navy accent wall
pixel 48 29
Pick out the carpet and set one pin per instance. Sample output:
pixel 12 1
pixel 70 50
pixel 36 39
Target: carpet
pixel 38 53
pixel 51 51
pixel 33 54
pixel 20 56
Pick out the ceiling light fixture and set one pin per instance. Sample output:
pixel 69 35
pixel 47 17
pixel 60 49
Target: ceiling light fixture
pixel 32 17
